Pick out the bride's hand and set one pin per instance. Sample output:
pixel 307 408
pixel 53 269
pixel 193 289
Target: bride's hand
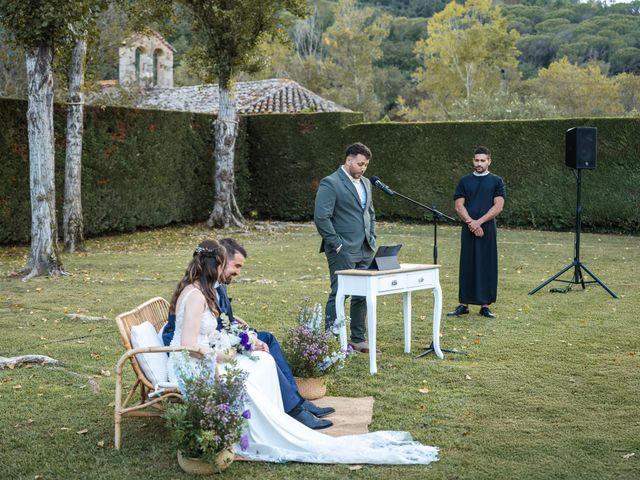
pixel 225 356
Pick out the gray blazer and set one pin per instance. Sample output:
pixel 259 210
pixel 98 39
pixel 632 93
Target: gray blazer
pixel 339 216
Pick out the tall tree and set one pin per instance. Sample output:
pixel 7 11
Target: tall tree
pixel 629 89
pixel 579 91
pixel 230 32
pixel 353 44
pixel 41 27
pixel 72 219
pixel 35 25
pixel 468 49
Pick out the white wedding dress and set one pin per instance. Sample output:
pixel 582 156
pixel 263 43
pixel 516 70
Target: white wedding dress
pixel 275 436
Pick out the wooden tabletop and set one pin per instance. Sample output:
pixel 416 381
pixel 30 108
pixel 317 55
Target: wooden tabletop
pixel 404 267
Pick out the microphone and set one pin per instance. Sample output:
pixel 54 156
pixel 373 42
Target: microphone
pixel 376 181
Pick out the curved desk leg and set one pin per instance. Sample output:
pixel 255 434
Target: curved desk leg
pixel 372 307
pixel 340 316
pixel 437 314
pixel 407 321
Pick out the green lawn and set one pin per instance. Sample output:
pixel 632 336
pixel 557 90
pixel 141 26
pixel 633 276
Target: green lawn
pixel 549 389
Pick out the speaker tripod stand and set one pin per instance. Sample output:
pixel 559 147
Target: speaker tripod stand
pixel 577 265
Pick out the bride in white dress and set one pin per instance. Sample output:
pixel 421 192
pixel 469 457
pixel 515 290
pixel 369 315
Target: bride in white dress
pixel 274 436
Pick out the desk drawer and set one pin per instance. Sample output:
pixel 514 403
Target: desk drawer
pixel 391 283
pixel 419 279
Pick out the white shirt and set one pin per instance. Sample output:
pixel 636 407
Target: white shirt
pixel 362 192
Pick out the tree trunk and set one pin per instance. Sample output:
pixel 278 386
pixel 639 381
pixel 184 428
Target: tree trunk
pixel 72 222
pixel 225 211
pixel 43 257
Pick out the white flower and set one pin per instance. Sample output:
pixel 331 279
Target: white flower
pixel 220 340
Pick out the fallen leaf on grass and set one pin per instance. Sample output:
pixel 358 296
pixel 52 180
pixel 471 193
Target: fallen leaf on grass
pixel 628 455
pixel 467 377
pixel 82 432
pixel 64 429
pixel 101 443
pixel 105 373
pixel 424 390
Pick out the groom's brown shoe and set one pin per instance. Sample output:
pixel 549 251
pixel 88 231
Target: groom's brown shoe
pixel 362 347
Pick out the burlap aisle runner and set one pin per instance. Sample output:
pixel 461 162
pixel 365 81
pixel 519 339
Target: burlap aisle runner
pixel 352 416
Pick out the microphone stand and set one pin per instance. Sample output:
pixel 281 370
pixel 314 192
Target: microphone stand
pixel 436 215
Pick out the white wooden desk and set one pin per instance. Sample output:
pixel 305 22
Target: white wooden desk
pixel 372 283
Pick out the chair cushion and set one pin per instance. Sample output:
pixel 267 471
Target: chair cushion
pixel 154 365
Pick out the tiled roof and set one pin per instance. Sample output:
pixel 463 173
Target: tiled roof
pixel 262 96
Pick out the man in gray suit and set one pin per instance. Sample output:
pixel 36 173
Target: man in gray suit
pixel 345 219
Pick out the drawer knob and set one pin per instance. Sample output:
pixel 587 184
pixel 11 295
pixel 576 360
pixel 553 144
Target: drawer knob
pixel 395 282
pixel 421 279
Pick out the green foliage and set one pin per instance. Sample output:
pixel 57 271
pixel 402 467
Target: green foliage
pixel 212 417
pixel 13 74
pixel 583 32
pixel 34 23
pixel 425 161
pixel 353 44
pixel 228 33
pixel 629 89
pixel 578 91
pixel 149 168
pixel 141 168
pixel 408 8
pixel 467 49
pixel 290 155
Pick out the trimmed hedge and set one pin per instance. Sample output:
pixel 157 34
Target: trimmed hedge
pixel 289 155
pixel 425 161
pixel 146 168
pixel 141 168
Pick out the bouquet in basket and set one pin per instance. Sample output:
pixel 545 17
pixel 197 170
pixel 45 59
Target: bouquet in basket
pixel 212 417
pixel 311 351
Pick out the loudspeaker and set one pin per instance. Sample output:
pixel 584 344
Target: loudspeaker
pixel 581 147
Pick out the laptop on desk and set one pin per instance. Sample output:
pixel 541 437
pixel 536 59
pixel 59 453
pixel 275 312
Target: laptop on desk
pixel 386 258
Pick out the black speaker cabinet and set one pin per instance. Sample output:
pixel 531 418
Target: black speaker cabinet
pixel 581 147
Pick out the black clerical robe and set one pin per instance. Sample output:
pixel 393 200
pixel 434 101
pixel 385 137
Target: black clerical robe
pixel 478 281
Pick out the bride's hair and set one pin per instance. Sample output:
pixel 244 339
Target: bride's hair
pixel 203 269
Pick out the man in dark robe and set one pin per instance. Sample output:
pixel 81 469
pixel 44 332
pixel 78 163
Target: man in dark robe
pixel 479 199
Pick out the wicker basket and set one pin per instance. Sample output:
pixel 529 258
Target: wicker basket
pixel 197 466
pixel 312 388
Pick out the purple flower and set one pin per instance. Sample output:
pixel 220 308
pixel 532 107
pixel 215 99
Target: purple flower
pixel 244 441
pixel 247 414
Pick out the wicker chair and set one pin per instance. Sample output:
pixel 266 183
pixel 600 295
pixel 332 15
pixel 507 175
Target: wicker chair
pixel 154 311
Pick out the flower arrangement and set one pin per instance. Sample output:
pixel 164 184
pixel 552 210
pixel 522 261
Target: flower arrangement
pixel 234 337
pixel 311 351
pixel 212 417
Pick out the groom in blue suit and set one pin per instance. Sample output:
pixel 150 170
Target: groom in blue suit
pixel 302 410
